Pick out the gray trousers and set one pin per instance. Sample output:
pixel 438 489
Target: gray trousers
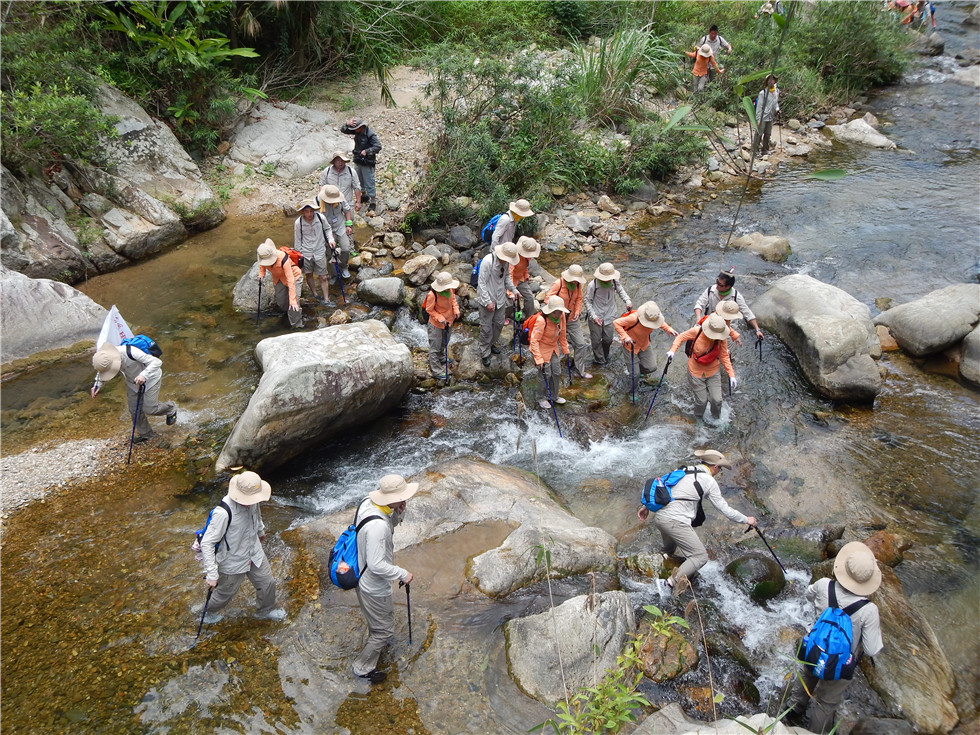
pixel 602 339
pixel 576 342
pixel 682 540
pixel 825 697
pixel 552 373
pixel 527 298
pixel 706 390
pixel 282 301
pixel 260 577
pixel 491 324
pixel 379 614
pixel 645 361
pixel 765 130
pixel 366 175
pixel 438 342
pixel 150 405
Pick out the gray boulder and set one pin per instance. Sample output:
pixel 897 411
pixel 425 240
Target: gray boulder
pixel 973 19
pixel 419 269
pixel 245 295
pixel 858 131
pixel 579 224
pixel 829 331
pixel 461 237
pixel 387 291
pixel 671 719
pixel 938 320
pixel 769 247
pixel 970 359
pixel 316 386
pixel 585 624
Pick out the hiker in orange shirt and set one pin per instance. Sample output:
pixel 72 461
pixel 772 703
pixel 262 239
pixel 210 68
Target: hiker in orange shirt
pixel 286 277
pixel 443 309
pixel 634 332
pixel 548 343
pixel 527 250
pixel 703 56
pixel 571 288
pixel 709 350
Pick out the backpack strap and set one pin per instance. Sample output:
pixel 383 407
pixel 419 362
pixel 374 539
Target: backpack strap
pixel 224 536
pixel 128 353
pixel 359 526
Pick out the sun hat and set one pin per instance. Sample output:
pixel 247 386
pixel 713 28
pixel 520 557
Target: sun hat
pixel 706 50
pixel 106 361
pixel 444 280
pixel 715 327
pixel 857 569
pixel 521 207
pixel 248 489
pixel 528 247
pixel 307 204
pixel 574 272
pixel 507 252
pixel 607 272
pixel 266 253
pixel 339 154
pixel 330 194
pixel 649 315
pixel 554 303
pixel 712 457
pixel 393 489
pixel 728 310
pixel 355 122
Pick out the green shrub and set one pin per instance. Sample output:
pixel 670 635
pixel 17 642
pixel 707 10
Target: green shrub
pixel 653 154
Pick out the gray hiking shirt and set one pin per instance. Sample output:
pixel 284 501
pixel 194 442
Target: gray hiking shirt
pixel 710 298
pixel 243 546
pixel 494 281
pixel 504 230
pixel 600 303
pixel 376 550
pixel 767 105
pixel 347 181
pixel 682 509
pixel 865 622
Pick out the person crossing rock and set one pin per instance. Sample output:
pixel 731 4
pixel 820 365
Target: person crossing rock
pixel 344 177
pixel 140 371
pixel 635 332
pixel 336 212
pixel 570 288
pixel 548 342
pixel 286 277
pixel 708 352
pixel 527 250
pixel 506 228
pixel 443 310
pixel 601 311
pixel 493 286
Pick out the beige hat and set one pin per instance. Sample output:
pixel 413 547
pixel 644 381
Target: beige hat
pixel 106 361
pixel 712 457
pixel 574 272
pixel 706 50
pixel 339 154
pixel 649 315
pixel 393 489
pixel 307 203
pixel 444 281
pixel 266 253
pixel 607 272
pixel 715 327
pixel 248 489
pixel 521 207
pixel 330 194
pixel 857 569
pixel 728 310
pixel 507 252
pixel 554 303
pixel 528 247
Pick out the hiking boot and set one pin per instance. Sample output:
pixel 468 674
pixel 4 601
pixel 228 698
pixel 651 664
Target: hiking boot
pixel 375 676
pixel 142 438
pixel 559 400
pixel 277 614
pixel 212 618
pixel 544 404
pixel 579 374
pixel 494 350
pixel 172 418
pixel 485 361
pixel 345 273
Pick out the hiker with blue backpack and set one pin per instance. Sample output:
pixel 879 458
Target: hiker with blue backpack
pixel 505 227
pixel 493 288
pixel 676 499
pixel 847 627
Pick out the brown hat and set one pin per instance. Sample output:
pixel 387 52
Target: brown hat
pixel 715 327
pixel 712 457
pixel 339 154
pixel 857 569
pixel 728 310
pixel 574 272
pixel 607 272
pixel 393 489
pixel 106 361
pixel 443 281
pixel 248 489
pixel 528 247
pixel 521 207
pixel 507 252
pixel 649 315
pixel 266 253
pixel 330 194
pixel 554 303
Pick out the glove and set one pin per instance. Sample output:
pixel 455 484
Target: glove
pixel 670 355
pixel 734 382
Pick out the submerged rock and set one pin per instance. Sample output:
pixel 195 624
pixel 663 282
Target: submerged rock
pixel 758 574
pixel 664 656
pixel 935 322
pixel 245 295
pixel 858 131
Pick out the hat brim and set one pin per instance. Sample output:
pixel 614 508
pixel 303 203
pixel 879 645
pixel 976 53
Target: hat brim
pixel 705 55
pixel 848 582
pixel 726 315
pixel 544 309
pixel 566 276
pixel 522 211
pixel 115 361
pixel 499 252
pixel 655 324
pixel 271 260
pixel 712 334
pixel 614 277
pixel 242 499
pixel 388 498
pixel 443 286
pixel 532 254
pixel 723 462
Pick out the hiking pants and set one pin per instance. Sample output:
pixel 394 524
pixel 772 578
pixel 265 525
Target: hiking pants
pixel 260 577
pixel 576 341
pixel 527 298
pixel 706 390
pixel 644 362
pixel 150 405
pixel 438 342
pixel 826 696
pixel 551 373
pixel 491 324
pixel 602 339
pixel 282 301
pixel 379 613
pixel 341 255
pixel 701 82
pixel 366 175
pixel 765 130
pixel 682 540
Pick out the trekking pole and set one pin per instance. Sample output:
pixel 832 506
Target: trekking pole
pixel 205 611
pixel 632 374
pixel 758 344
pixel 554 411
pixel 136 413
pixel 446 350
pixel 767 546
pixel 340 281
pixel 662 376
pixel 408 604
pixel 258 305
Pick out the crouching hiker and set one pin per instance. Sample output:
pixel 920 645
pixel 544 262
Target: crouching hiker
pixel 600 305
pixel 376 551
pixel 677 519
pixel 548 342
pixel 143 372
pixel 443 310
pixel 232 549
pixel 286 277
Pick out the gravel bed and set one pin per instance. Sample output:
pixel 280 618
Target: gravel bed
pixel 32 474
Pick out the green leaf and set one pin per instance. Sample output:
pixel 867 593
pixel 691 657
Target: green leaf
pixel 678 115
pixel 828 174
pixel 759 75
pixel 701 128
pixel 718 698
pixel 750 111
pixel 780 19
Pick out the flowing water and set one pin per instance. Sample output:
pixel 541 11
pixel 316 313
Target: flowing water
pixel 96 616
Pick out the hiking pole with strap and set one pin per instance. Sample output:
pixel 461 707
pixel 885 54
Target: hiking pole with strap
pixel 632 373
pixel 554 410
pixel 662 376
pixel 767 546
pixel 408 604
pixel 204 612
pixel 758 344
pixel 340 281
pixel 136 413
pixel 258 305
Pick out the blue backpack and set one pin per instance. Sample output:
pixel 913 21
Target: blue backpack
pixel 486 234
pixel 657 492
pixel 141 342
pixel 345 570
pixel 475 275
pixel 827 647
pixel 198 535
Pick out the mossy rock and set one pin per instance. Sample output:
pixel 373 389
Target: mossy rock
pixel 758 574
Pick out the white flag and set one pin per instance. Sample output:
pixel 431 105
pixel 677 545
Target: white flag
pixel 114 329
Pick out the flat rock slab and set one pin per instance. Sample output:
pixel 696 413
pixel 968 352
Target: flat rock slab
pixel 935 322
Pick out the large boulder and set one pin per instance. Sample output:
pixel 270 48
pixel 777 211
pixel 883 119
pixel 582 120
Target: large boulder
pixel 419 269
pixel 584 625
pixel 935 322
pixel 829 331
pixel 671 719
pixel 316 386
pixel 664 655
pixel 245 295
pixel 38 315
pixel 758 574
pixel 387 291
pixel 858 131
pixel 769 247
pixel 462 237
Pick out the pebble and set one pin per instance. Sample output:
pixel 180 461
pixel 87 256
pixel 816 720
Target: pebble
pixel 34 473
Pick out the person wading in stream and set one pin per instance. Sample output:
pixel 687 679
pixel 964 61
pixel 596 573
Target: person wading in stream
pixel 708 351
pixel 634 332
pixel 376 551
pixel 600 308
pixel 857 576
pixel 443 309
pixel 677 519
pixel 492 290
pixel 570 288
pixel 548 342
pixel 286 277
pixel 724 290
pixel 310 238
pixel 142 372
pixel 340 227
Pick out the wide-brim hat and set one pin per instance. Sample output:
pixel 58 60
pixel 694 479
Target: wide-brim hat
pixel 266 253
pixel 712 457
pixel 107 361
pixel 607 272
pixel 728 310
pixel 248 489
pixel 649 315
pixel 444 280
pixel 554 303
pixel 307 203
pixel 706 50
pixel 715 327
pixel 339 154
pixel 528 247
pixel 574 272
pixel 330 194
pixel 521 207
pixel 507 252
pixel 857 569
pixel 393 489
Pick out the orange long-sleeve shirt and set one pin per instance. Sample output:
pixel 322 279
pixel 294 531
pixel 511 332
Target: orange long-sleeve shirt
pixel 546 337
pixel 442 310
pixel 288 275
pixel 629 326
pixel 520 273
pixel 702 345
pixel 572 298
pixel 701 63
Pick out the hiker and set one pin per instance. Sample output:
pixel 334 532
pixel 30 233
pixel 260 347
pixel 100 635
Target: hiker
pixel 548 342
pixel 635 332
pixel 491 294
pixel 443 310
pixel 340 226
pixel 376 551
pixel 724 290
pixel 527 250
pixel 704 59
pixel 311 240
pixel 366 148
pixel 675 520
pixel 600 308
pixel 286 277
pixel 570 288
pixel 857 576
pixel 345 178
pixel 506 226
pixel 140 370
pixel 714 41
pixel 767 10
pixel 766 109
pixel 709 350
pixel 232 549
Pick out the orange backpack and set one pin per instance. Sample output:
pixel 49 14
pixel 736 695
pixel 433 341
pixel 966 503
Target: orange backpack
pixel 527 326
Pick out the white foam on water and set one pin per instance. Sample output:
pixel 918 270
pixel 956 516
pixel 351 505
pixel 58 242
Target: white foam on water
pixel 407 330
